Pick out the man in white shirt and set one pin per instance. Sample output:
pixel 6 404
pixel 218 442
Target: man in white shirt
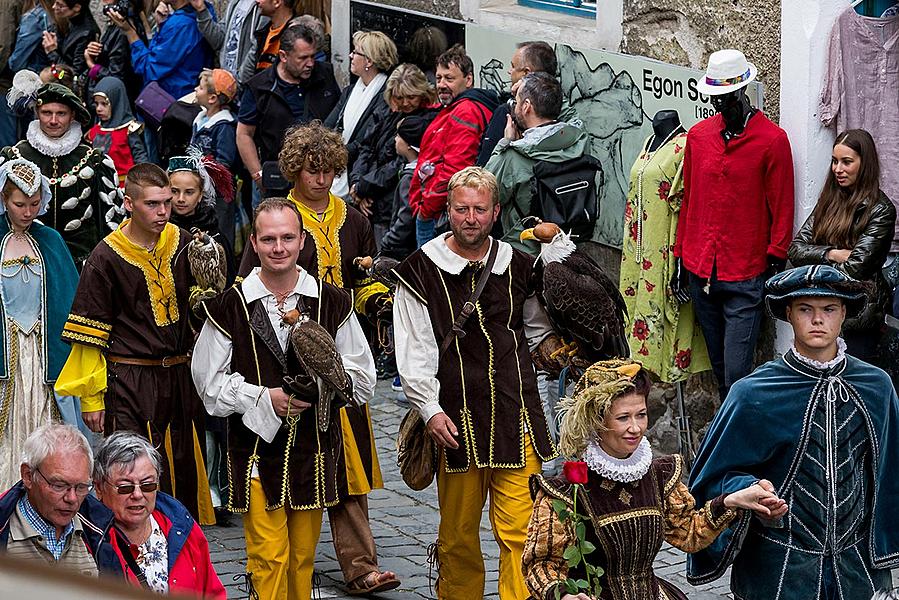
pixel 479 398
pixel 283 470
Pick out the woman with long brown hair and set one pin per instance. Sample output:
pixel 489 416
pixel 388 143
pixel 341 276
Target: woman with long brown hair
pixel 851 229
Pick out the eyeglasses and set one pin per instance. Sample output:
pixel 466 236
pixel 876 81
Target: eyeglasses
pixel 62 487
pixel 125 489
pixel 357 53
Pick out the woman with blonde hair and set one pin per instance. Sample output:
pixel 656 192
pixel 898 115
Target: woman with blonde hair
pixel 375 173
pixel 373 56
pixel 618 499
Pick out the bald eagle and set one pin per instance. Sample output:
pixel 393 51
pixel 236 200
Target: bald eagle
pixel 583 304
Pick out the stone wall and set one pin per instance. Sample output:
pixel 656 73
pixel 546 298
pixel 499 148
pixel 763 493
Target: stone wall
pixel 685 32
pixel 438 8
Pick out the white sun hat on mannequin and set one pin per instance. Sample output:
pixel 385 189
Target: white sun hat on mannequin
pixel 728 71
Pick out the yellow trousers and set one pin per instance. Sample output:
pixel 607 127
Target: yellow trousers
pixel 461 497
pixel 280 548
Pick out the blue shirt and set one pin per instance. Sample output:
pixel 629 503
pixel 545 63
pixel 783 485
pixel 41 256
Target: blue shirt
pixel 176 54
pixel 290 92
pixel 54 545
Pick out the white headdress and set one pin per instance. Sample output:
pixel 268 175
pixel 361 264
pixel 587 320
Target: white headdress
pixel 27 177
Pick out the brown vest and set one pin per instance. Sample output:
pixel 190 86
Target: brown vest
pixel 488 386
pixel 301 468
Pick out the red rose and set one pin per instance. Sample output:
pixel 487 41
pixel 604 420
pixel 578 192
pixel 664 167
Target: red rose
pixel 664 190
pixel 630 292
pixel 628 212
pixel 575 471
pixel 641 331
pixel 647 265
pixel 634 231
pixel 683 358
pixel 643 350
pixel 649 286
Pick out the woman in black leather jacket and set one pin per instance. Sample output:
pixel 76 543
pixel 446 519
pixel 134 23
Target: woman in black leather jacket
pixel 67 44
pixel 376 171
pixel 851 229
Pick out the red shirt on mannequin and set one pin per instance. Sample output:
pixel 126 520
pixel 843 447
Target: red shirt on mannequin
pixel 738 199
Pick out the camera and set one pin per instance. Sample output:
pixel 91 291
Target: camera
pixel 120 6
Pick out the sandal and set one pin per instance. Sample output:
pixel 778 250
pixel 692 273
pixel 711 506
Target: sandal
pixel 374 582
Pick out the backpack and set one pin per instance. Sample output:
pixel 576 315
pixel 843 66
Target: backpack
pixel 565 193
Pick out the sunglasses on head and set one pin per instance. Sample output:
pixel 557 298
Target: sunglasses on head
pixel 128 488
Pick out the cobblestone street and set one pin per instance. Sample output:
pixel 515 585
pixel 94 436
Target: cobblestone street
pixel 405 524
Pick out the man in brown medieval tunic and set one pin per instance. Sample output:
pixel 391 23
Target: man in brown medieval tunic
pixel 336 234
pixel 479 397
pixel 131 339
pixel 284 470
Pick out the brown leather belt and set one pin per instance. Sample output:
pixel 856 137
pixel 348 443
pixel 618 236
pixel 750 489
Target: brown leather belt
pixel 165 361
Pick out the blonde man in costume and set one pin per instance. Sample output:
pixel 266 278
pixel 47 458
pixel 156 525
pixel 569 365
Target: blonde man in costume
pixel 336 234
pixel 634 501
pixel 131 339
pixel 284 469
pixel 479 397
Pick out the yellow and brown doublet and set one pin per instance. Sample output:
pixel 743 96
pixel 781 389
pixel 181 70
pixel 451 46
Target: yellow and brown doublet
pixel 131 342
pixel 487 381
pixel 302 468
pixel 628 523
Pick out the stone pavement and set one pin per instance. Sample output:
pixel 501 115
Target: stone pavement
pixel 405 524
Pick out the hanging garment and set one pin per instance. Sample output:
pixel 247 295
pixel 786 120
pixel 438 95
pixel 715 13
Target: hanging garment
pixel 663 335
pixel 861 88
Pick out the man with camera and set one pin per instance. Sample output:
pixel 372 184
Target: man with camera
pixel 176 54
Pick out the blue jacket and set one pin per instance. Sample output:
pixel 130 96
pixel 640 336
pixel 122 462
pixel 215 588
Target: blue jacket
pixel 175 55
pixel 96 519
pixel 28 53
pixel 217 136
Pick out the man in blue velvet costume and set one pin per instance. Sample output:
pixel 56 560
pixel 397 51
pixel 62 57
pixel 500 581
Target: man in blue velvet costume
pixel 823 427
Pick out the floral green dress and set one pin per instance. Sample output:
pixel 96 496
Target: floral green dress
pixel 663 336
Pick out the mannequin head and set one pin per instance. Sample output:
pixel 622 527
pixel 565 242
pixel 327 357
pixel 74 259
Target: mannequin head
pixel 734 108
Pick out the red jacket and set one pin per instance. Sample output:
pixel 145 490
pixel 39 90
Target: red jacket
pixel 738 199
pixel 190 566
pixel 450 144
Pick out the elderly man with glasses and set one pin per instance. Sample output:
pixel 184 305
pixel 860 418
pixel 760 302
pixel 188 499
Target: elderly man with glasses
pixel 39 518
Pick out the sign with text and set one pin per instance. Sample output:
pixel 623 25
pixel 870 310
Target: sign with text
pixel 615 95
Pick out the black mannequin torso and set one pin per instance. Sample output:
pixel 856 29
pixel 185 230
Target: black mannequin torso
pixel 736 111
pixel 664 124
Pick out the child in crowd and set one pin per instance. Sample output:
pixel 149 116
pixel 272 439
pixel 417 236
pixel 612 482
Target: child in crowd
pixel 116 132
pixel 60 73
pixel 215 128
pixel 399 241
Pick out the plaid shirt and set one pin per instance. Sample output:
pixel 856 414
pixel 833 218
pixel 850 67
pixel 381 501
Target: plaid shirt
pixel 55 544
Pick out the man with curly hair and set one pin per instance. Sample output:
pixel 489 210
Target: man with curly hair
pixel 337 233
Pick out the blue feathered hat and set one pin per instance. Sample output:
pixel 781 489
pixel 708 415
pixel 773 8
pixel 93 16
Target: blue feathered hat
pixel 821 281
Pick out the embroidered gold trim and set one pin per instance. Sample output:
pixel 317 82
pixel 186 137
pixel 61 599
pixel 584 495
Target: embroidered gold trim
pixel 85 321
pixel 84 339
pixel 156 267
pixel 85 330
pixel 630 514
pixel 325 233
pixel 675 477
pixel 12 262
pixel 726 517
pixel 9 385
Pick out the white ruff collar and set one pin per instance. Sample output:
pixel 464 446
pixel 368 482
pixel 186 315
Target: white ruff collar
pixel 622 470
pixel 841 354
pixel 53 147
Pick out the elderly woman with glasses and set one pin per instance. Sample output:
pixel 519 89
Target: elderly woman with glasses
pixel 154 542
